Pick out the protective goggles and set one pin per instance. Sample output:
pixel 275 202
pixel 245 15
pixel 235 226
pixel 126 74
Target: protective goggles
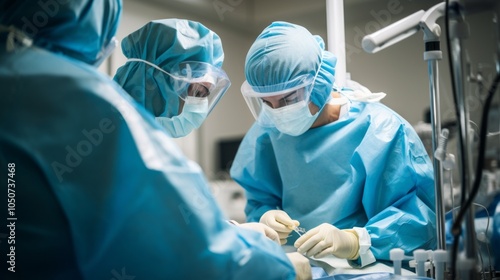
pixel 195 79
pixel 263 99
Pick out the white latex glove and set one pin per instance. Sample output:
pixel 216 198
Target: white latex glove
pixel 326 239
pixel 264 229
pixel 280 222
pixel 301 265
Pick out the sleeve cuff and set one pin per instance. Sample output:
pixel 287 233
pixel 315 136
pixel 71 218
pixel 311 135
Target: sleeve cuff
pixel 366 256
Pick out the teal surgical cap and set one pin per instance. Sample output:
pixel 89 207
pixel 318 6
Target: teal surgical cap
pixel 284 51
pixel 165 43
pixel 77 28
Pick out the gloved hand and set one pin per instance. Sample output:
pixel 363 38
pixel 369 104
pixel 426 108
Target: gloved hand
pixel 326 239
pixel 262 228
pixel 280 222
pixel 301 265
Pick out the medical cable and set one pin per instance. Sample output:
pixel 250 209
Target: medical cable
pixel 488 134
pixel 458 117
pixel 485 233
pixel 456 228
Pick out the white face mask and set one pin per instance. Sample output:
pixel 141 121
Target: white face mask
pixel 193 114
pixel 293 119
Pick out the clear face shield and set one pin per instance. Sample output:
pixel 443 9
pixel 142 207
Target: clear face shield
pixel 195 82
pixel 274 105
pixel 199 80
pixel 106 51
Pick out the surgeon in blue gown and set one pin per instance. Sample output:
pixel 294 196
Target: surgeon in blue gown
pixel 157 54
pixel 353 173
pixel 97 189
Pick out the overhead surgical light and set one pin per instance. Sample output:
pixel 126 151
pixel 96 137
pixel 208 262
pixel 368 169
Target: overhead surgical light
pixel 393 33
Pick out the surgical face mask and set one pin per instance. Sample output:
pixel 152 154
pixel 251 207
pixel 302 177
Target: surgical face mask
pixel 294 92
pixel 106 52
pixel 293 119
pixel 193 114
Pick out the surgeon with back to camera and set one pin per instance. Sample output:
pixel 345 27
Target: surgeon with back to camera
pixel 101 191
pixel 351 172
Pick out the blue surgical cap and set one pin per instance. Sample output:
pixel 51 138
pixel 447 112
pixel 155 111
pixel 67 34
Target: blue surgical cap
pixel 285 51
pixel 165 43
pixel 76 28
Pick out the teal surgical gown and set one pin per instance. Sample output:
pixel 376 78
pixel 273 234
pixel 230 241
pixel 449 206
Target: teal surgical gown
pixel 368 169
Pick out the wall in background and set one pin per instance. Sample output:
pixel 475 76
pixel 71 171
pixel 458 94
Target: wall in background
pixel 399 71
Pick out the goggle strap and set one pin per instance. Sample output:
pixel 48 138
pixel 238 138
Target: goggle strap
pixel 150 64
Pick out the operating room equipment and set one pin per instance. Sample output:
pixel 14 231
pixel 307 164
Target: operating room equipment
pixel 472 143
pixel 397 255
pixel 421 257
pixel 447 160
pixel 440 258
pixel 426 263
pixel 402 29
pixel 393 33
pixel 471 168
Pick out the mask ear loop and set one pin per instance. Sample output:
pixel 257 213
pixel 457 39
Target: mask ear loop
pixel 15 36
pixel 150 64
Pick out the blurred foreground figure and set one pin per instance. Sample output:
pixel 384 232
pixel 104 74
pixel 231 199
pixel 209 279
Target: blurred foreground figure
pixel 98 189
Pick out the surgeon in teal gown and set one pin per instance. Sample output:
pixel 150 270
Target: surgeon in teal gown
pixel 98 190
pixel 150 74
pixel 352 173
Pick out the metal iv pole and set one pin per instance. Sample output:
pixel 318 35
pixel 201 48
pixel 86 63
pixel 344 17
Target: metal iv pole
pixel 398 31
pixel 432 54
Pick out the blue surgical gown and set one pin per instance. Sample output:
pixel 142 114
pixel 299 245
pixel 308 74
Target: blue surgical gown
pixel 101 192
pixel 369 169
